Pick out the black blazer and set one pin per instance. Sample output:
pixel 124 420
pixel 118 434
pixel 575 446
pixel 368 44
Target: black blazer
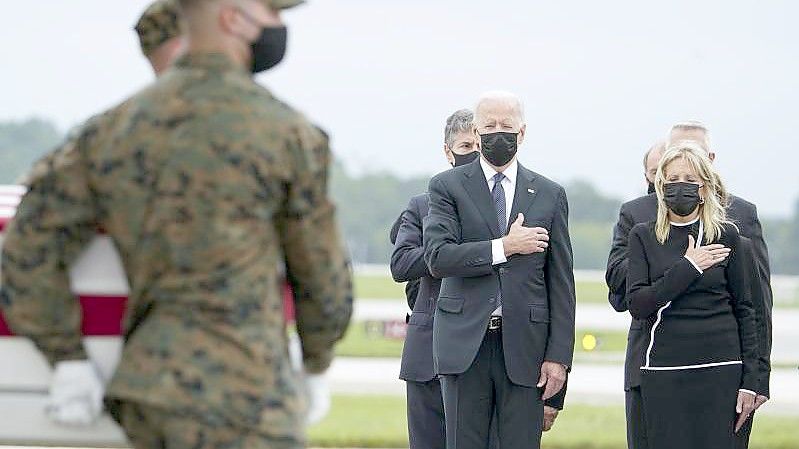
pixel 407 265
pixel 537 290
pixel 411 286
pixel 644 209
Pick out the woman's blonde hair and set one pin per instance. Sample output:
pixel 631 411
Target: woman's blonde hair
pixel 713 208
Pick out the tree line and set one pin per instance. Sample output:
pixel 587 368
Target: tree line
pixel 368 204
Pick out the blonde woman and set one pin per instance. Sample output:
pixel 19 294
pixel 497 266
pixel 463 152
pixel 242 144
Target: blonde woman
pixel 688 280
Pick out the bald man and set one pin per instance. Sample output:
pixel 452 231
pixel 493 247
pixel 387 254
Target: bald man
pixel 503 335
pixel 651 160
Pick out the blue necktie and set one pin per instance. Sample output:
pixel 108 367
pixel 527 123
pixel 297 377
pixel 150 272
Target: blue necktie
pixel 498 192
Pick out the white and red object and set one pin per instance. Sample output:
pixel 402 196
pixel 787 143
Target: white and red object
pixel 98 280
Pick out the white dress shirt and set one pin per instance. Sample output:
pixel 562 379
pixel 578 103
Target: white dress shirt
pixel 509 185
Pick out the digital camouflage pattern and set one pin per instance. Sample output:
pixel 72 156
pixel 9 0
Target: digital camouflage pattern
pixel 159 23
pixel 149 427
pixel 207 185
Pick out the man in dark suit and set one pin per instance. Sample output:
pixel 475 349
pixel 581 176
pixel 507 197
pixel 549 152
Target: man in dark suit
pixel 503 339
pixel 424 402
pixel 644 209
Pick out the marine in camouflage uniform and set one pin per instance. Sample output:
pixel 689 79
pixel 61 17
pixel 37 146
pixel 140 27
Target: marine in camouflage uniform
pixel 207 185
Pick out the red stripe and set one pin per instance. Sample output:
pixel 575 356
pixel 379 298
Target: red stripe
pixel 3 222
pixel 102 315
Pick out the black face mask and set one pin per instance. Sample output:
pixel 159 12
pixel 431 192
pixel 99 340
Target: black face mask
pixel 682 198
pixel 270 46
pixel 463 159
pixel 651 188
pixel 499 148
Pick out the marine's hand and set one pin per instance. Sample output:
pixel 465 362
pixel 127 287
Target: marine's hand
pixel 318 397
pixel 76 394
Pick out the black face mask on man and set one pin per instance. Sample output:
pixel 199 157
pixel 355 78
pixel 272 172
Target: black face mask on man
pixel 463 159
pixel 270 46
pixel 650 188
pixel 682 198
pixel 499 148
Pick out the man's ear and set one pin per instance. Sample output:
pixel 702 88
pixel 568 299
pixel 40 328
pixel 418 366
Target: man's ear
pixel 448 155
pixel 520 138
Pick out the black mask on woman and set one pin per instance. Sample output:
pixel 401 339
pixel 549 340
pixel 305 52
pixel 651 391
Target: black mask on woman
pixel 499 148
pixel 682 198
pixel 463 159
pixel 270 46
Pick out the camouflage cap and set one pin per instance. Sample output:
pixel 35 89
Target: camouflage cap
pixel 159 23
pixel 283 4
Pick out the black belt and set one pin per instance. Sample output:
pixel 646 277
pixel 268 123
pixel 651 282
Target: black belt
pixel 495 323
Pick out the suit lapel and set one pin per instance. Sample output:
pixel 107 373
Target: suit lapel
pixel 525 194
pixel 477 187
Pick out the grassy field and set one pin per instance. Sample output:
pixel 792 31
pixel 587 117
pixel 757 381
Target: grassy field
pixel 361 341
pixel 380 422
pixel 383 287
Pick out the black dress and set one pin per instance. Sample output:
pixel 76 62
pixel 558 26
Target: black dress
pixel 702 338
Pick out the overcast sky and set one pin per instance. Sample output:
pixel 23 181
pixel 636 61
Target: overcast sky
pixel 601 80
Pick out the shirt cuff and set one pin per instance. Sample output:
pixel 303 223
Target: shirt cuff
pixel 497 252
pixel 694 264
pixel 742 390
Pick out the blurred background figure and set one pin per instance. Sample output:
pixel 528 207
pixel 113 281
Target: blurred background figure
pixel 76 389
pixel 202 236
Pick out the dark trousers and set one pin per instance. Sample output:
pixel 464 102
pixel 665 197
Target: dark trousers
pixel 472 398
pixel 636 426
pixel 425 415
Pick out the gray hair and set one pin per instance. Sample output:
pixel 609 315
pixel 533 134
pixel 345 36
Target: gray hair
pixel 692 125
pixel 505 97
pixel 459 122
pixel 659 146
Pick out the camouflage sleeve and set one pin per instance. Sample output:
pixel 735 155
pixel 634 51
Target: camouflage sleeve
pixel 54 221
pixel 317 264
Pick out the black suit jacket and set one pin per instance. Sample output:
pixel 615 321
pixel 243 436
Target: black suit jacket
pixel 644 209
pixel 408 265
pixel 538 301
pixel 411 286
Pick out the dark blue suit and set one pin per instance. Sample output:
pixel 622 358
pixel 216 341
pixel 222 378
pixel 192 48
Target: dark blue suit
pixel 481 370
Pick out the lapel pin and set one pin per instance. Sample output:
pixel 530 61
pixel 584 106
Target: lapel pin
pixel 531 191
